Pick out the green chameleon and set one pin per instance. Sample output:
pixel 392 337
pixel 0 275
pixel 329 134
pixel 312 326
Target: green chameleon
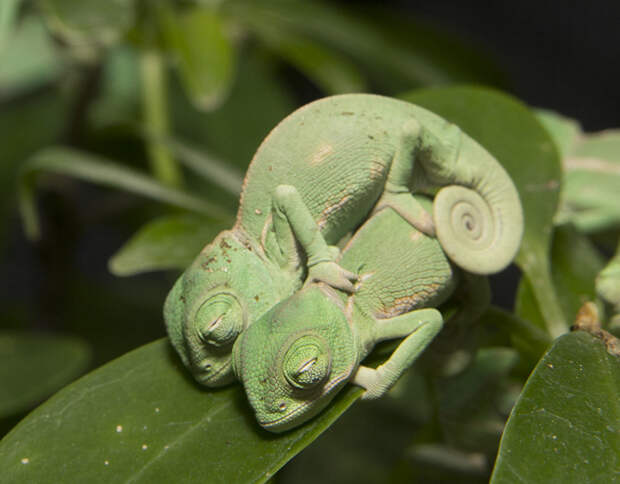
pixel 318 175
pixel 297 356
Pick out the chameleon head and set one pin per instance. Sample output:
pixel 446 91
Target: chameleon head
pixel 209 333
pixel 209 307
pixel 295 358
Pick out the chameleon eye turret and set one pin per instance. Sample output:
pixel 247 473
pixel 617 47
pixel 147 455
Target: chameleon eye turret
pixel 210 334
pixel 307 362
pixel 219 320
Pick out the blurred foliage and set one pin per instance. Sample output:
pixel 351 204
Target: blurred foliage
pixel 159 106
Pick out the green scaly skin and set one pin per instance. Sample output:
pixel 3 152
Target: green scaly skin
pixel 297 356
pixel 317 176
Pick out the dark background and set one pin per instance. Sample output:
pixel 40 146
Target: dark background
pixel 560 55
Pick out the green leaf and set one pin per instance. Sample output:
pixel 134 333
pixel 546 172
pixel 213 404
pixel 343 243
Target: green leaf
pixel 458 58
pixel 119 91
pixel 20 73
pixel 40 112
pixel 8 16
pixel 95 169
pixel 335 27
pixel 85 24
pixel 229 132
pixel 165 243
pixel 576 263
pixel 330 71
pixel 361 447
pixel 592 182
pixel 197 40
pixel 368 39
pixel 207 166
pixel 564 131
pixel 510 132
pixel 32 366
pixel 565 426
pixel 604 145
pixel 140 418
pixel 591 174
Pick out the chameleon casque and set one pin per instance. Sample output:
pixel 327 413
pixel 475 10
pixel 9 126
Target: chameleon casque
pixel 318 176
pixel 297 356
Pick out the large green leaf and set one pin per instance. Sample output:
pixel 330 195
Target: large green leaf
pixel 32 366
pixel 197 40
pixel 509 131
pixel 566 425
pixel 140 418
pixel 165 243
pixel 92 168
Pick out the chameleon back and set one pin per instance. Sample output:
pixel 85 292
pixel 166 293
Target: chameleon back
pixel 400 268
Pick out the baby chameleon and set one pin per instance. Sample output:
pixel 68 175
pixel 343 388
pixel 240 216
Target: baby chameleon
pixel 318 176
pixel 297 356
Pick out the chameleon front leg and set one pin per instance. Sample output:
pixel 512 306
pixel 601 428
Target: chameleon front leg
pixel 396 193
pixel 292 221
pixel 420 327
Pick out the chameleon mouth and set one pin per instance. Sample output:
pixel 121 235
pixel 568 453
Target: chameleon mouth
pixel 283 423
pixel 205 378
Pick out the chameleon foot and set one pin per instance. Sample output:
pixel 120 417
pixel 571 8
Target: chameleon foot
pixel 332 274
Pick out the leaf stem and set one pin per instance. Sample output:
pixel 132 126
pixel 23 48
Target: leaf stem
pixel 538 272
pixel 155 112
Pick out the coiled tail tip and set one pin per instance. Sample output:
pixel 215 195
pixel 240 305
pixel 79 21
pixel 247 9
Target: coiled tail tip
pixel 478 237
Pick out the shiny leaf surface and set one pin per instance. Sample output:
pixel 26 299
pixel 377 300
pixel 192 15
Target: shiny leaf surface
pixel 141 418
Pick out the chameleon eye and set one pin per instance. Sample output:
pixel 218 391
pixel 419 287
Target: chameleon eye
pixel 307 362
pixel 219 320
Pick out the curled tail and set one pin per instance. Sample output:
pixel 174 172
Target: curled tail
pixel 477 214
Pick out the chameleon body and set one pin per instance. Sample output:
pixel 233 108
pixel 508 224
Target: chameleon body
pixel 297 356
pixel 317 176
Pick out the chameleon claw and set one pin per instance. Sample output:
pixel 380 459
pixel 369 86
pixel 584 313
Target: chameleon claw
pixel 333 275
pixel 334 252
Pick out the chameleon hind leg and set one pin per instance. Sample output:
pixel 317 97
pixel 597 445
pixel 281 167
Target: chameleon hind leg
pixel 397 194
pixel 420 328
pixel 608 284
pixel 293 223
